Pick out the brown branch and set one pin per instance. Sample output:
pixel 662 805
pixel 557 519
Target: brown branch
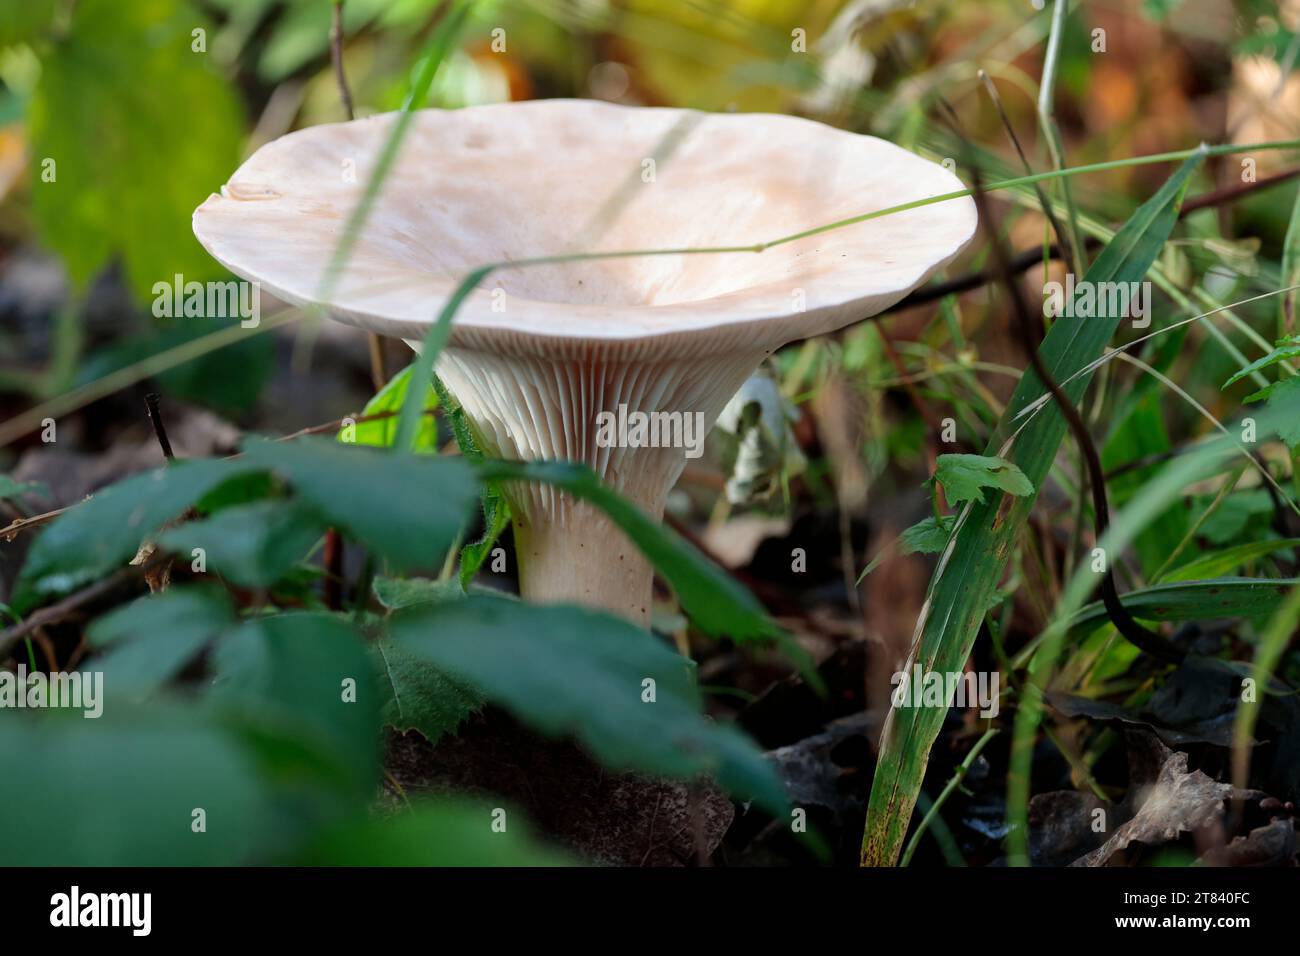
pixel 336 57
pixel 155 418
pixel 57 612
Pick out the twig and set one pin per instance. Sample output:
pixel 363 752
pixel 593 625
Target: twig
pixel 378 371
pixel 56 612
pixel 336 56
pixel 155 417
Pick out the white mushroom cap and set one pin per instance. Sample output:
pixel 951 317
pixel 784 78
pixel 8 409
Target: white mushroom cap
pixel 537 352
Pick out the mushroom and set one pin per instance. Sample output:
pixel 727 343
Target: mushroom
pixel 537 354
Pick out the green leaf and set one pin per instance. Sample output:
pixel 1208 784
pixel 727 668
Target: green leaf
pixel 150 640
pixel 965 476
pixel 1219 563
pixel 253 545
pixel 406 508
pixel 965 581
pixel 1238 513
pixel 310 676
pixel 1251 598
pixel 1284 398
pixel 445 833
pixel 397 593
pixel 567 670
pixel 418 696
pixel 107 530
pixel 1283 350
pixel 141 130
pixel 382 433
pixel 496 513
pixel 927 536
pixel 16 489
pixel 715 601
pixel 25 21
pixel 121 791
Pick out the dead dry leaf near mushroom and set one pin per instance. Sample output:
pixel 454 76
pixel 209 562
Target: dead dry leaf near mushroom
pixel 1170 803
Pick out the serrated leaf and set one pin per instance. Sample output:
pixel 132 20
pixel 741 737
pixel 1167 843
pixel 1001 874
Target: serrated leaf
pixel 107 530
pixel 927 536
pixel 397 593
pixel 253 545
pixel 567 670
pixel 1284 398
pixel 964 477
pixel 140 128
pixel 418 696
pixel 1283 350
pixel 407 508
pixel 150 640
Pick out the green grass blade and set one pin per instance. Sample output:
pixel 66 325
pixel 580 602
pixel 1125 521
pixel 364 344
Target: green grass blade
pixel 969 570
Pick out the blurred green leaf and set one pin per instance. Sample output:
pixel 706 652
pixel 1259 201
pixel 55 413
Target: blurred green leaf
pixel 311 676
pixel 107 530
pixel 445 833
pixel 23 21
pixel 1219 563
pixel 407 508
pixel 150 640
pixel 17 489
pixel 567 670
pixel 1243 512
pixel 140 130
pixel 122 791
pixel 253 545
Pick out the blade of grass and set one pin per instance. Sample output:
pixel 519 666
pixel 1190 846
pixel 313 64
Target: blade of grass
pixel 985 537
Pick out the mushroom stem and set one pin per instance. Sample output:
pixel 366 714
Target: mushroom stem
pixel 583 558
pixel 548 407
